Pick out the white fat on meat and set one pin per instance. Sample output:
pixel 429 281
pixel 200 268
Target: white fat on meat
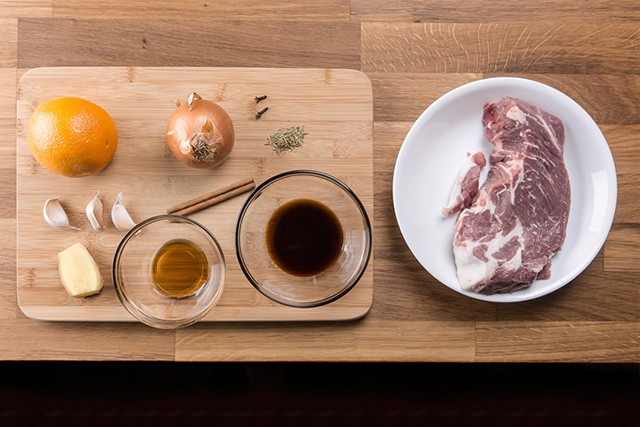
pixel 473 271
pixel 515 113
pixel 465 186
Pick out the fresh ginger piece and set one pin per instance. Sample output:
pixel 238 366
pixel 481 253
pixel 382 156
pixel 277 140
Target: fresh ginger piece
pixel 79 272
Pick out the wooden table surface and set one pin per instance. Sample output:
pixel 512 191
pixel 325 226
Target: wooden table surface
pixel 588 49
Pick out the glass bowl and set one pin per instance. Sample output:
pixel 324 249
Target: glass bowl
pixel 133 279
pixel 252 247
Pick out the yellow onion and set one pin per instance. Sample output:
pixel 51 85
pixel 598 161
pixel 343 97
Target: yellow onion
pixel 200 133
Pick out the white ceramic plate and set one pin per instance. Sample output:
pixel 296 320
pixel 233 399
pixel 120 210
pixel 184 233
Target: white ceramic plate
pixel 435 148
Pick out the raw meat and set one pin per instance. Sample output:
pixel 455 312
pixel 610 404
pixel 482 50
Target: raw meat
pixel 466 185
pixel 518 218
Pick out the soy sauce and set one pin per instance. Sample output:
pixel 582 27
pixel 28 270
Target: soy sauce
pixel 304 237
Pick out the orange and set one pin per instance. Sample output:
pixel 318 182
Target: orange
pixel 72 136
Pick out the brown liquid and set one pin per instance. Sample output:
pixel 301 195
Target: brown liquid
pixel 304 237
pixel 179 268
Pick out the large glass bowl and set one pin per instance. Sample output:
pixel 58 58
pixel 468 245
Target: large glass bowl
pixel 252 249
pixel 132 278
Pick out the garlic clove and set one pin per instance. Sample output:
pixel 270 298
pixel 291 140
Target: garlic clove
pixel 120 217
pixel 94 212
pixel 55 215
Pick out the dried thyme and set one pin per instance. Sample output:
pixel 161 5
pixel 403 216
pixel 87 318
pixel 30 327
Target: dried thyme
pixel 286 139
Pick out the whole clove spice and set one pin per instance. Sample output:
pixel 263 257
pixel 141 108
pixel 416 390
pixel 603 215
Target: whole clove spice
pixel 259 98
pixel 261 112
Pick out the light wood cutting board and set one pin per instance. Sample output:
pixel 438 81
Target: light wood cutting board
pixel 334 105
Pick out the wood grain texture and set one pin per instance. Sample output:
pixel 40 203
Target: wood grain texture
pixel 404 96
pixel 34 340
pixel 158 43
pixel 7 188
pixel 558 341
pixel 218 10
pixel 481 11
pixel 587 49
pixel 627 211
pixel 365 340
pixel 622 249
pixel 500 48
pixel 8 298
pixel 8 94
pixel 624 142
pixel 595 295
pixel 8 42
pixel 140 100
pixel 26 8
pixel 7 123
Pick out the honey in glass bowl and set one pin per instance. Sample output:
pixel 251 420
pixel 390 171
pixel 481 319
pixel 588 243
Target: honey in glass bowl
pixel 179 269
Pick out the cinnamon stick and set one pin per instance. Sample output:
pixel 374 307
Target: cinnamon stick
pixel 212 198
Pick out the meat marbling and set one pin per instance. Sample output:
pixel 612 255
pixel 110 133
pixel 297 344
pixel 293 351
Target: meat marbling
pixel 466 185
pixel 518 218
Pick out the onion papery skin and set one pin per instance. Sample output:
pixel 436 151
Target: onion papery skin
pixel 204 123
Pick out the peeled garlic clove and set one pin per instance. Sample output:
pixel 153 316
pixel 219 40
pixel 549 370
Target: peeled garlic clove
pixel 55 215
pixel 94 212
pixel 120 217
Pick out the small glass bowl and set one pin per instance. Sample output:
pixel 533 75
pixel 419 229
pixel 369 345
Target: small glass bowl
pixel 253 254
pixel 132 277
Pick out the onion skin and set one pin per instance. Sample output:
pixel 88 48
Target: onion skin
pixel 205 122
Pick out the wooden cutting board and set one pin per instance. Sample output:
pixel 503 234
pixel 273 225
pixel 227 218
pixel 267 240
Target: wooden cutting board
pixel 335 107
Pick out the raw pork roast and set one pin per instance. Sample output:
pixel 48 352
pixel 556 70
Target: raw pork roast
pixel 518 218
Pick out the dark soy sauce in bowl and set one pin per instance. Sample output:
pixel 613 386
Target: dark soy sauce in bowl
pixel 304 237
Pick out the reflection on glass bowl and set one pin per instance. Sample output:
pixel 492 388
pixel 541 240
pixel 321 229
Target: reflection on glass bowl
pixel 135 272
pixel 252 246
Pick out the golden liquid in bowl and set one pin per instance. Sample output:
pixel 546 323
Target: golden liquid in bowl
pixel 179 269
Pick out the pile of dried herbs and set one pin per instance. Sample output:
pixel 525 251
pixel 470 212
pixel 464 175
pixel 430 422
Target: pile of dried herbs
pixel 286 139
